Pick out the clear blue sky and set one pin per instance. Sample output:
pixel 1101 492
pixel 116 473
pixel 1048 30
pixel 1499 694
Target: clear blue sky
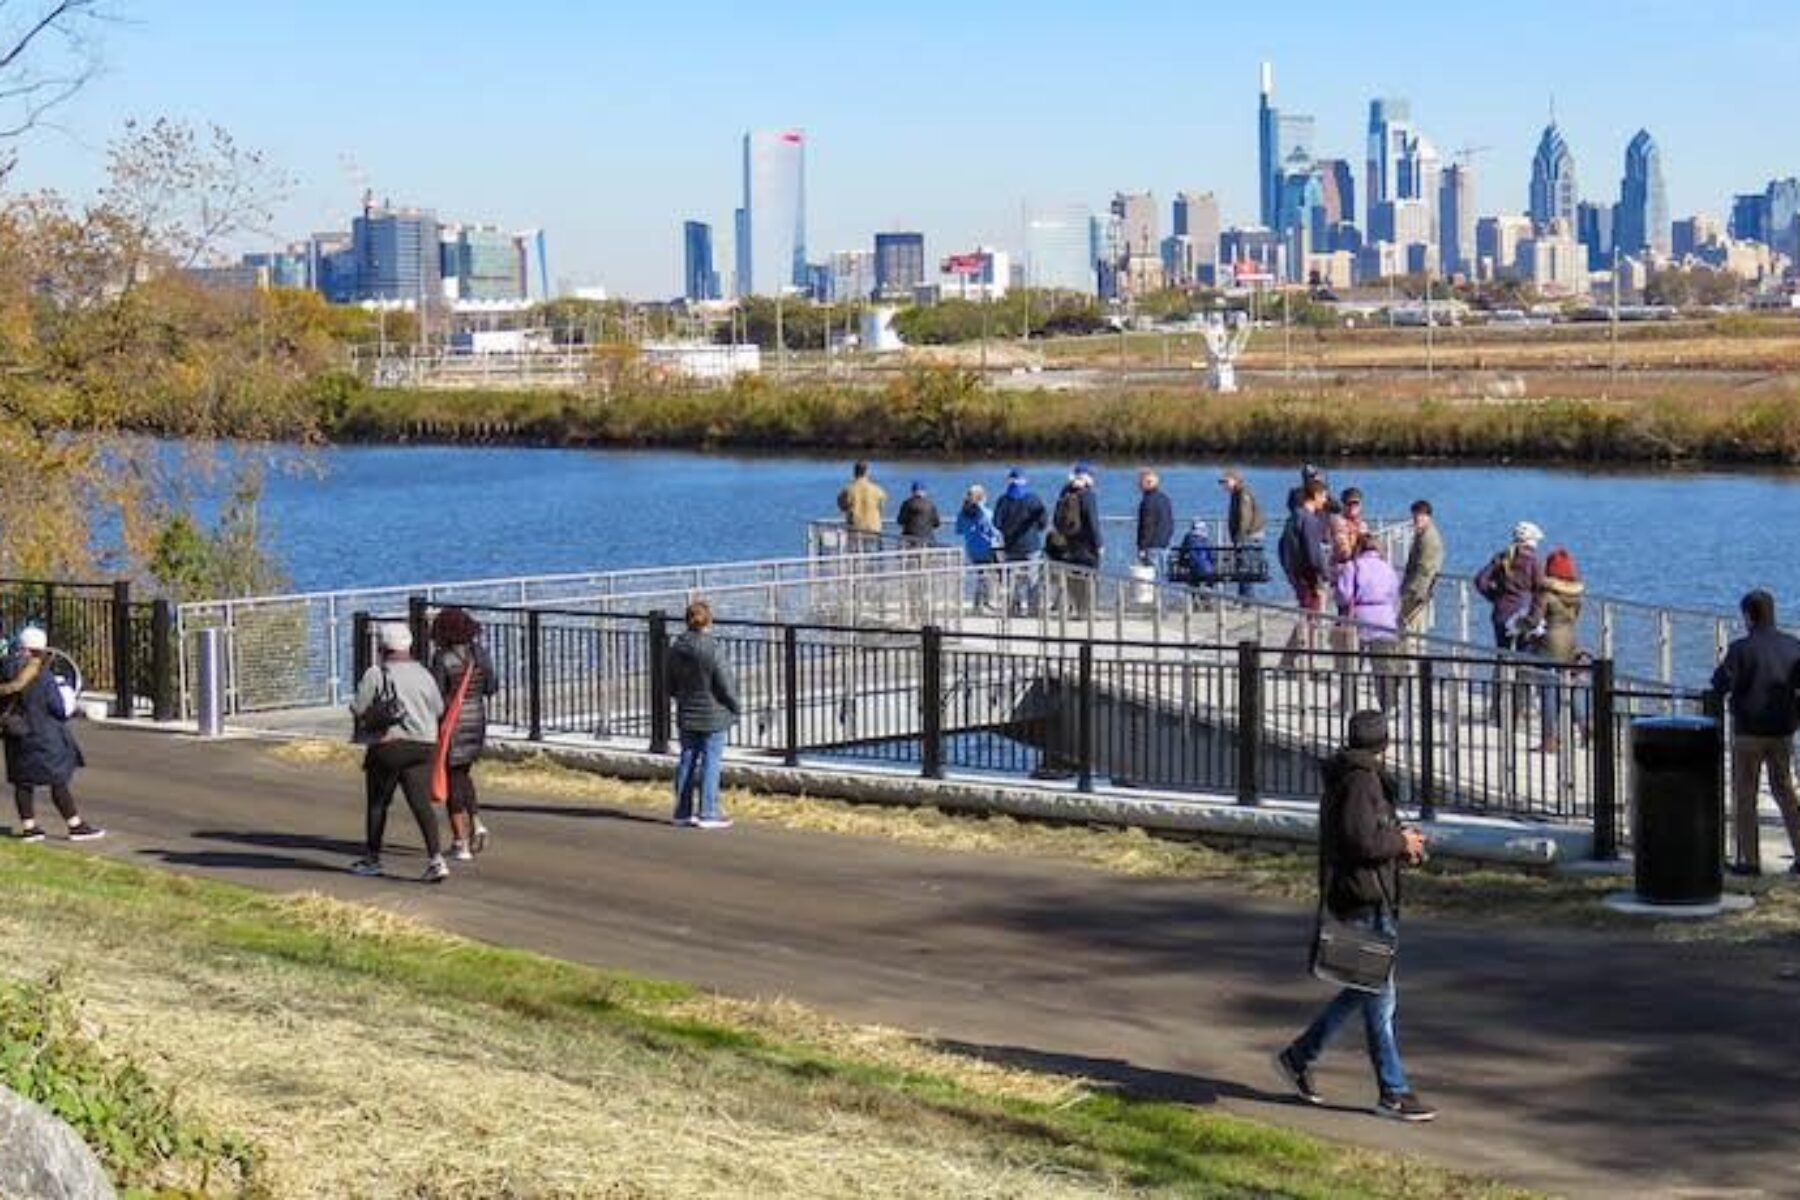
pixel 609 123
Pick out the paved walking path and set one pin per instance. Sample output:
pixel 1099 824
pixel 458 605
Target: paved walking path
pixel 1580 1063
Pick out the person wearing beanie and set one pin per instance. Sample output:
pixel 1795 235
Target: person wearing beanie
pixel 1362 846
pixel 1561 607
pixel 919 519
pixel 396 710
pixel 1513 582
pixel 41 751
pixel 1022 519
pixel 1075 538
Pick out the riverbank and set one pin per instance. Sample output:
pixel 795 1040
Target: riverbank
pixel 1655 420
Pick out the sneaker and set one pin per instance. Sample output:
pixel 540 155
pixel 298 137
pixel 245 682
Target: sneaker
pixel 713 823
pixel 366 866
pixel 461 853
pixel 84 832
pixel 437 870
pixel 1297 1077
pixel 33 833
pixel 1743 870
pixel 1405 1107
pixel 681 822
pixel 479 842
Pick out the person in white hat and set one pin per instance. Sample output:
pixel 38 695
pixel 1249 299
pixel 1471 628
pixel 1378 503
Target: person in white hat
pixel 1513 582
pixel 41 752
pixel 396 710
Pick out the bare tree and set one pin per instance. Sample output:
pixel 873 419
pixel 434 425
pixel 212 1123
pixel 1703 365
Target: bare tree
pixel 48 52
pixel 188 192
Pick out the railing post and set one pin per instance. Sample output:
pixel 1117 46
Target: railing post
pixel 931 701
pixel 162 667
pixel 123 701
pixel 360 660
pixel 1606 764
pixel 418 619
pixel 50 612
pixel 1427 740
pixel 1084 718
pixel 790 691
pixel 1249 723
pixel 659 682
pixel 534 675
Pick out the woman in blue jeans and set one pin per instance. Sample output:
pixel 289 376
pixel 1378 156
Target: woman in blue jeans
pixel 706 706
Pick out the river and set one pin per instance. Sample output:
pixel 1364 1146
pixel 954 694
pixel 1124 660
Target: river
pixel 390 515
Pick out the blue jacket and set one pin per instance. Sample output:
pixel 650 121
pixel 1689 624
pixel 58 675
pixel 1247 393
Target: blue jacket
pixel 1021 518
pixel 40 750
pixel 981 539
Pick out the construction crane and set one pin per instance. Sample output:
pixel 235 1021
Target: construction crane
pixel 1466 154
pixel 359 178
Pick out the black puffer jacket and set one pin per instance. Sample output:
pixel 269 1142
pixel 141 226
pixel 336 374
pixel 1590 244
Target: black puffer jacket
pixel 447 667
pixel 43 752
pixel 1360 843
pixel 705 692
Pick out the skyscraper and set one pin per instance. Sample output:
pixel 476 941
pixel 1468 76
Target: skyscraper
pixel 1059 249
pixel 1642 223
pixel 771 242
pixel 1596 229
pixel 1197 219
pixel 1390 128
pixel 397 256
pixel 699 280
pixel 1456 220
pixel 899 264
pixel 1279 135
pixel 1554 192
pixel 1338 189
pixel 481 263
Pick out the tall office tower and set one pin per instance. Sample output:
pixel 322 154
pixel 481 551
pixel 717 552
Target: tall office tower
pixel 1554 192
pixel 1597 230
pixel 1642 224
pixel 1421 178
pixel 1456 220
pixel 1279 135
pixel 481 263
pixel 397 255
pixel 1749 217
pixel 899 264
pixel 1059 249
pixel 852 275
pixel 699 280
pixel 1781 216
pixel 1692 234
pixel 771 242
pixel 1338 189
pixel 1390 129
pixel 1197 219
pixel 1139 224
pixel 1497 242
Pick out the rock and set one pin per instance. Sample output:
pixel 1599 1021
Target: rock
pixel 44 1159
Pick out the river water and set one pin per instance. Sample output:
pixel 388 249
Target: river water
pixel 393 515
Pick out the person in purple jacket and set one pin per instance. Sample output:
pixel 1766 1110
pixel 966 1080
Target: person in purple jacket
pixel 1513 582
pixel 1368 594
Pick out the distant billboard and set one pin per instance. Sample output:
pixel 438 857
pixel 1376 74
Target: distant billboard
pixel 965 264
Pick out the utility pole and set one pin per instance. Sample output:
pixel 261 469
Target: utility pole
pixel 1287 338
pixel 1612 369
pixel 1430 330
pixel 780 337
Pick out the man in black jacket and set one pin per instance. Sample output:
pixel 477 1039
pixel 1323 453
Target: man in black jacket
pixel 1760 675
pixel 1155 520
pixel 1362 845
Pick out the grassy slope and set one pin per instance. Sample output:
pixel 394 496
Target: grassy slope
pixel 367 1055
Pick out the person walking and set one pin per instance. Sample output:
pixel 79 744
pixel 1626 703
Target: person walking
pixel 1244 525
pixel 919 520
pixel 1513 582
pixel 396 710
pixel 1759 677
pixel 981 543
pixel 861 501
pixel 462 668
pixel 1368 594
pixel 1022 519
pixel 41 751
pixel 1155 521
pixel 1424 563
pixel 1362 847
pixel 706 706
pixel 1559 643
pixel 1075 539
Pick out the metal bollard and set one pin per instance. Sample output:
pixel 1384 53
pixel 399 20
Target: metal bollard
pixel 209 682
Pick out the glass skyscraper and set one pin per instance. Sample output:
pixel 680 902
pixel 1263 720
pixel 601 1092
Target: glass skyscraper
pixel 1554 192
pixel 1059 249
pixel 1642 224
pixel 397 256
pixel 771 242
pixel 1279 137
pixel 481 262
pixel 699 280
pixel 899 264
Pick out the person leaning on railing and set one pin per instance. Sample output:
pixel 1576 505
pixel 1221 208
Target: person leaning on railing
pixel 1759 677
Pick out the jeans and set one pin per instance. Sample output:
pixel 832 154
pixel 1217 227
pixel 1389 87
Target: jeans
pixel 1377 1009
pixel 702 758
pixel 1244 556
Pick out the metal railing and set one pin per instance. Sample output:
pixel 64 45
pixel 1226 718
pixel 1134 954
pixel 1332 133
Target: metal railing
pixel 1472 733
pixel 124 648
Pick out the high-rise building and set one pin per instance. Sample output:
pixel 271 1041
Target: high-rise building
pixel 699 280
pixel 1390 129
pixel 1554 192
pixel 1596 230
pixel 331 266
pixel 899 264
pixel 1781 223
pixel 397 255
pixel 1554 262
pixel 771 242
pixel 1749 217
pixel 1337 190
pixel 1106 248
pixel 853 275
pixel 1279 136
pixel 1692 234
pixel 481 263
pixel 1197 216
pixel 1456 220
pixel 1139 224
pixel 1059 249
pixel 1642 224
pixel 1497 246
pixel 290 268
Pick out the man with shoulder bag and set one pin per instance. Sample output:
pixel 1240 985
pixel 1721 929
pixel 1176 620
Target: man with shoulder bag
pixel 1362 846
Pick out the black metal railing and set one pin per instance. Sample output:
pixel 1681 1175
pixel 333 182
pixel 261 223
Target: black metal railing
pixel 1496 736
pixel 124 647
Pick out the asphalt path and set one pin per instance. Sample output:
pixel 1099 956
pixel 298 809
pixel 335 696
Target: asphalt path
pixel 1579 1063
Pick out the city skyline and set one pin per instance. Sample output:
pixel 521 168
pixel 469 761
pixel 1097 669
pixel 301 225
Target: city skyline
pixel 610 148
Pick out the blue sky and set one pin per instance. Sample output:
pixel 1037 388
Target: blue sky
pixel 608 124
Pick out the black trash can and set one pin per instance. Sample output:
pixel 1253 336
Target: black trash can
pixel 1678 809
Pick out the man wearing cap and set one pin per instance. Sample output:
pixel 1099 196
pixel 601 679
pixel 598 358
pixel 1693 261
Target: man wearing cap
pixel 1244 525
pixel 396 711
pixel 1021 518
pixel 41 752
pixel 1513 582
pixel 1075 537
pixel 1362 846
pixel 919 520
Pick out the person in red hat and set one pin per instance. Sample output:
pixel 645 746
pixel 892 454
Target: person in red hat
pixel 1560 605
